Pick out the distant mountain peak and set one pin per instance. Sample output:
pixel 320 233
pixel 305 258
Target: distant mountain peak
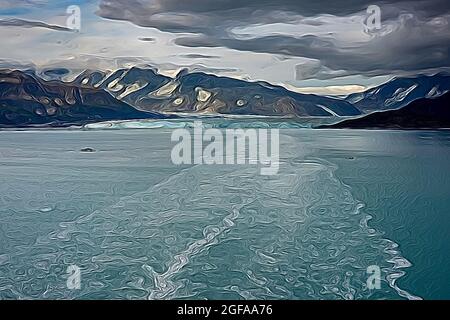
pixel 400 91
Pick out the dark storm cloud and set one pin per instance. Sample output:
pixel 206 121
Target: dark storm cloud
pixel 421 45
pixel 142 11
pixel 415 34
pixel 210 16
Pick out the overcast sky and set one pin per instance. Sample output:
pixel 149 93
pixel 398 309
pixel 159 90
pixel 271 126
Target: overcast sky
pixel 319 46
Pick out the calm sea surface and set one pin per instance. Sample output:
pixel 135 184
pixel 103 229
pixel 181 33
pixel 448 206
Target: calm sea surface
pixel 140 227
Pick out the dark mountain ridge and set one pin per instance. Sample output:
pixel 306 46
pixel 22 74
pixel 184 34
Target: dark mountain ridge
pixel 202 93
pixel 400 91
pixel 426 113
pixel 26 100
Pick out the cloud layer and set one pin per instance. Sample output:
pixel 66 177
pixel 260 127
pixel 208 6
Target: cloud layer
pixel 31 24
pixel 414 35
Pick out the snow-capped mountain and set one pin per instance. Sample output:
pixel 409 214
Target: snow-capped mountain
pixel 201 93
pixel 27 100
pixel 399 92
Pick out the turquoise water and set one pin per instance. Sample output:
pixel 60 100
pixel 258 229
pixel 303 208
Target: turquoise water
pixel 140 227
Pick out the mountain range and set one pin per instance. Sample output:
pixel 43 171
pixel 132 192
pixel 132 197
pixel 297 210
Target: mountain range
pixel 26 100
pixel 425 113
pixel 203 93
pixel 56 97
pixel 399 92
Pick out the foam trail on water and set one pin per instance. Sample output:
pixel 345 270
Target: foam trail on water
pixel 164 286
pixel 396 259
pixel 399 263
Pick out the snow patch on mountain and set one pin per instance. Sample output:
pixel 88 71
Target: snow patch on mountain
pixel 400 94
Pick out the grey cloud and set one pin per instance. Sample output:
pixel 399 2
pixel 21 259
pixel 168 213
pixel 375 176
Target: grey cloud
pixel 31 24
pixel 413 46
pixel 147 39
pixel 213 70
pixel 198 56
pixel 212 17
pixel 8 4
pixel 232 9
pixel 14 64
pixel 412 38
